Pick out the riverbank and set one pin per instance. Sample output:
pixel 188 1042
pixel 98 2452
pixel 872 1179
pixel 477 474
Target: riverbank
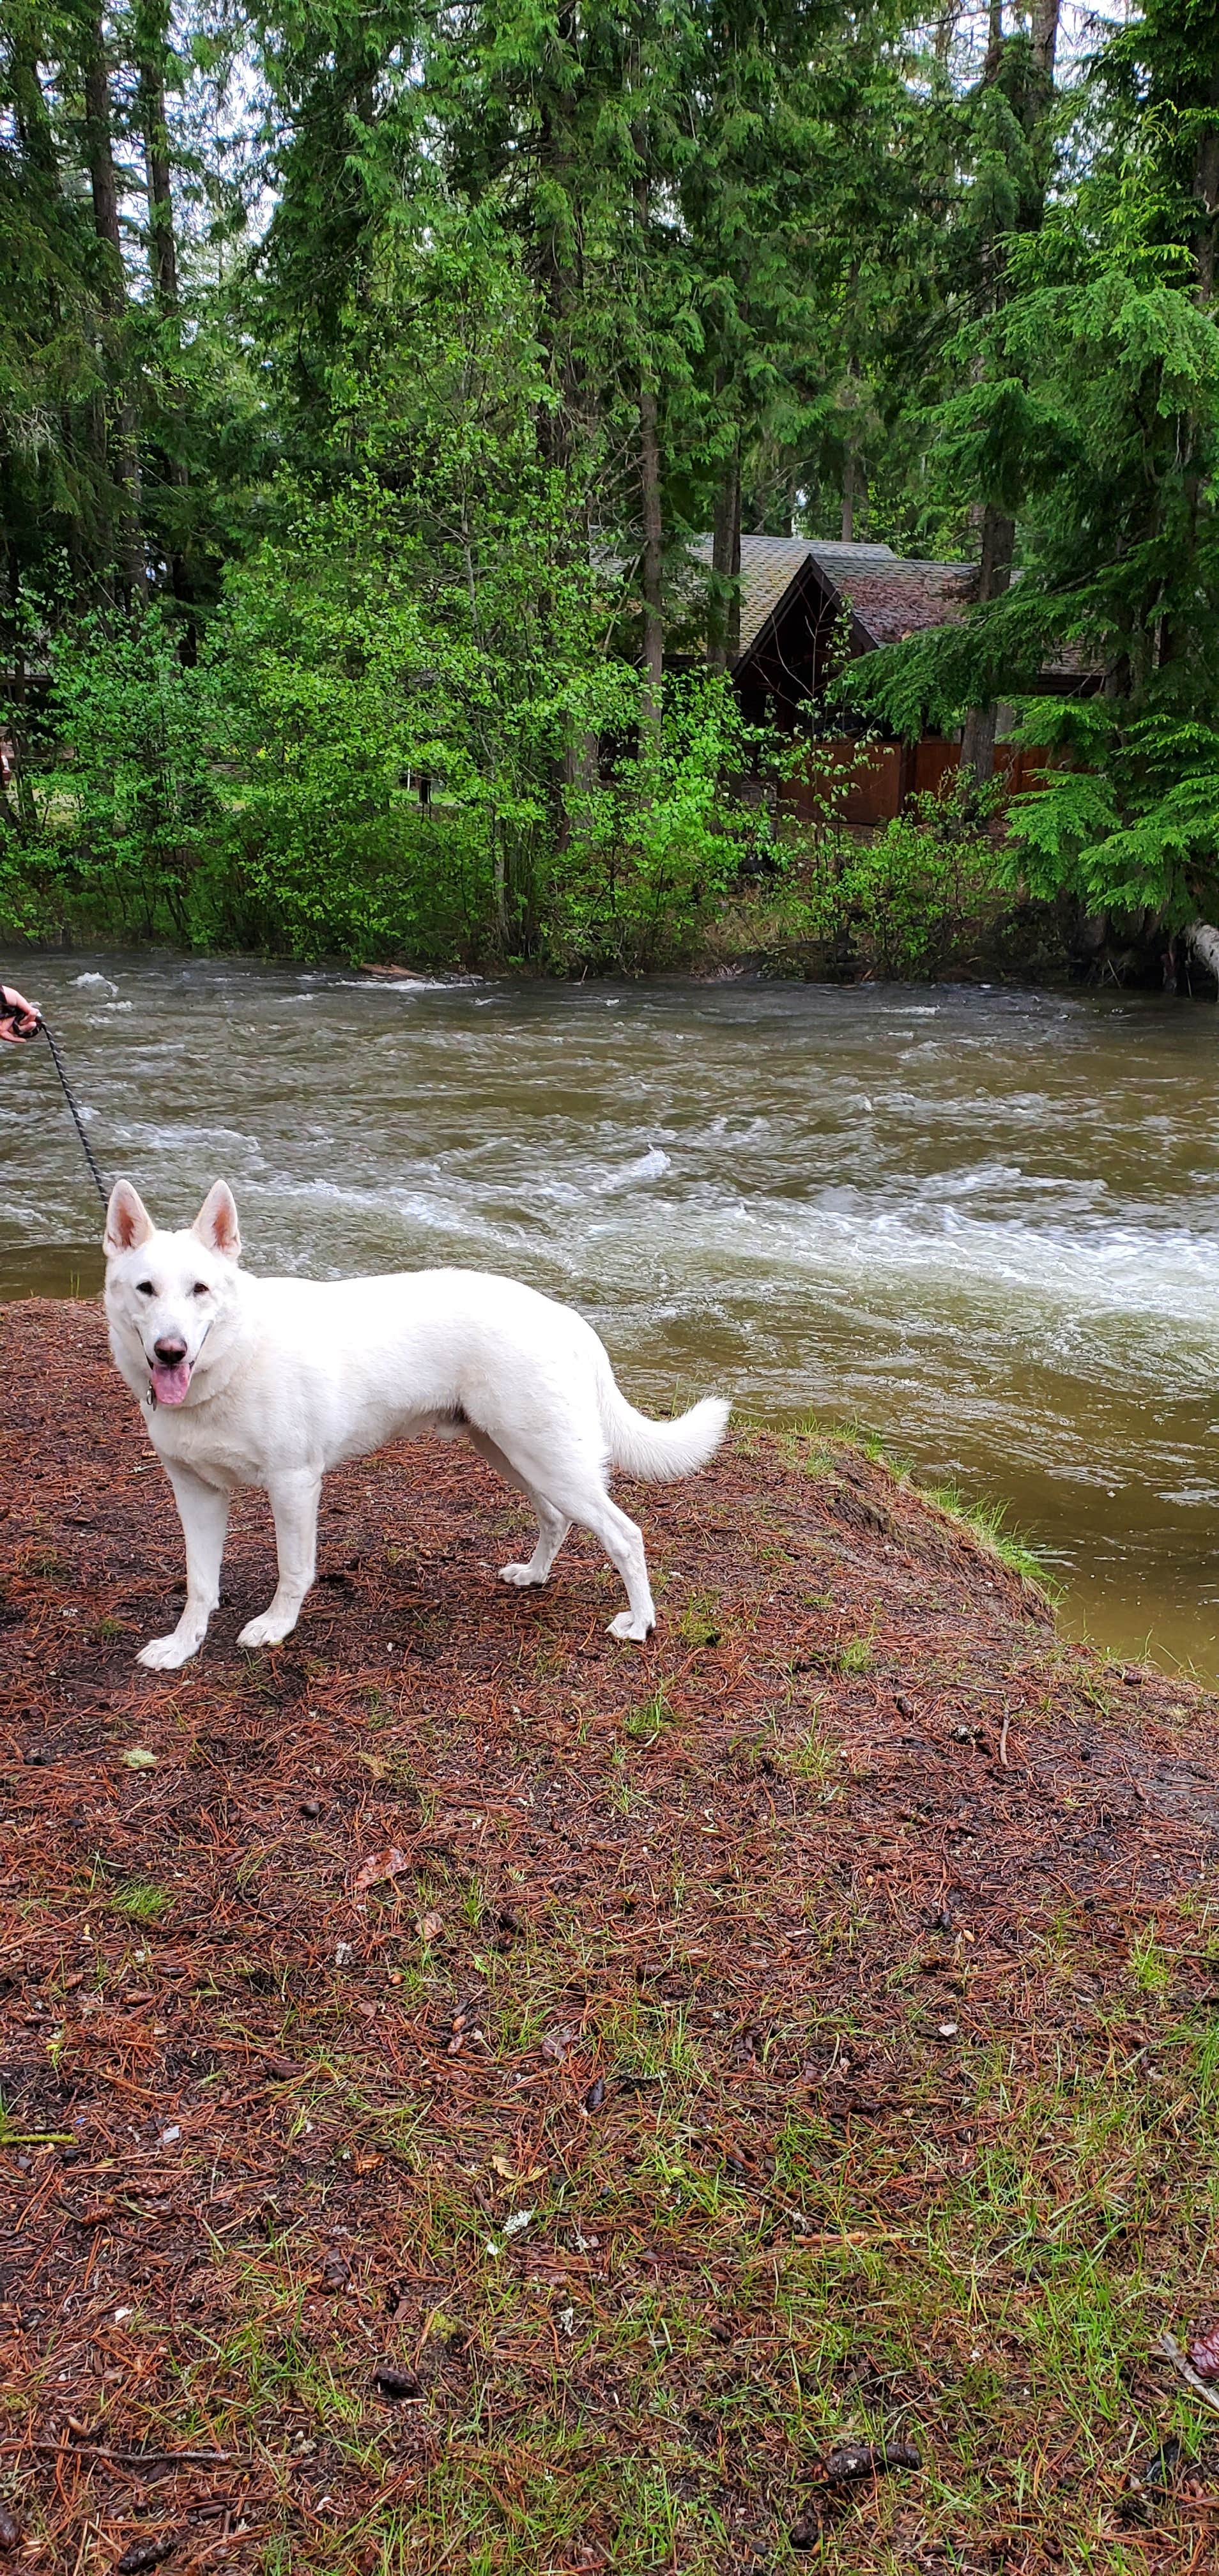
pixel 843 914
pixel 927 894
pixel 478 2096
pixel 976 1221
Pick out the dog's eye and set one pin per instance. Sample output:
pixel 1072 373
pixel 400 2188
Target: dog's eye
pixel 146 1288
pixel 200 1288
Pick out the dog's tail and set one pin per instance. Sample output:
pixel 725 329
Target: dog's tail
pixel 661 1451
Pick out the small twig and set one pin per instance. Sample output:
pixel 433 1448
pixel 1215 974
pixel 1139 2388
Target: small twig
pixel 37 2138
pixel 1171 2349
pixel 858 2236
pixel 1003 1744
pixel 124 2459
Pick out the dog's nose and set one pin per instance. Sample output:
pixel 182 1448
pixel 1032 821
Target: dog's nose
pixel 170 1352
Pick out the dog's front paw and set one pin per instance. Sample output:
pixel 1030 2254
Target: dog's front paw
pixel 627 1625
pixel 165 1654
pixel 267 1631
pixel 521 1574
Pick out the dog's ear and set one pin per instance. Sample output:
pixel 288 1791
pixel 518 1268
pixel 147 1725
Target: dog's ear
pixel 216 1223
pixel 128 1223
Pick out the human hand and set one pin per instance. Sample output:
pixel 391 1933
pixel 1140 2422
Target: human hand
pixel 18 1018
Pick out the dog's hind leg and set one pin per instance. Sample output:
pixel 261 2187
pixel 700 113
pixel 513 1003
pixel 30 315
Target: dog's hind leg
pixel 623 1544
pixel 204 1514
pixel 552 1530
pixel 294 1501
pixel 575 1488
pixel 552 1526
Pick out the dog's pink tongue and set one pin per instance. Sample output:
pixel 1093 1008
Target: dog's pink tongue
pixel 169 1385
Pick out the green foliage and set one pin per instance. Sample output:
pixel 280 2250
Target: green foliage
pixel 428 620
pixel 128 818
pixel 433 620
pixel 1137 832
pixel 1093 413
pixel 652 852
pixel 322 664
pixel 403 488
pixel 910 898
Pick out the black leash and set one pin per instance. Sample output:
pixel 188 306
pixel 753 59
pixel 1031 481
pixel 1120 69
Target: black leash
pixel 57 1060
pixel 8 1012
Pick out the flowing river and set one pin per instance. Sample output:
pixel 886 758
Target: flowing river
pixel 981 1222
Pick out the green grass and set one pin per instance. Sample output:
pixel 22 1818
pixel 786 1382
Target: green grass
pixel 815 1756
pixel 1148 1966
pixel 649 1721
pixel 988 1523
pixel 701 1622
pixel 856 1655
pixel 814 1445
pixel 139 1900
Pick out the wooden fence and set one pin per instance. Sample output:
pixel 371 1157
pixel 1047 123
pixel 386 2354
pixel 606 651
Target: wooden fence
pixel 883 775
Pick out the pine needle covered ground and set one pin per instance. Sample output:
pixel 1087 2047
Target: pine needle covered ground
pixel 478 2096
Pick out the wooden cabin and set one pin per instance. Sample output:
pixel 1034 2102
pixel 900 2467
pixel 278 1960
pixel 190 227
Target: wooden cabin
pixel 805 602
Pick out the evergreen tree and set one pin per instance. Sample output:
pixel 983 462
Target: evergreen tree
pixel 1106 442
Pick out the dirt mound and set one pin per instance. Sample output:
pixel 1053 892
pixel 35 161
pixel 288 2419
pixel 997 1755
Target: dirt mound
pixel 480 2095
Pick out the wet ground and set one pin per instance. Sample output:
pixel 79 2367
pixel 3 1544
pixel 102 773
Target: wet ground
pixel 477 2095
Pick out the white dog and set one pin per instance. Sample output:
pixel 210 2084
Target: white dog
pixel 269 1382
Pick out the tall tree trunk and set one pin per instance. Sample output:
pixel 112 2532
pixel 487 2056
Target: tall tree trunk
pixel 1044 41
pixel 998 539
pixel 1206 190
pixel 650 569
pixel 649 494
pixel 102 175
pixel 725 641
pixel 555 266
pixel 1044 37
pixel 993 57
pixel 555 256
pixel 995 531
pixel 854 490
pixel 151 41
pixel 122 448
pixel 34 128
pixel 162 244
pixel 994 41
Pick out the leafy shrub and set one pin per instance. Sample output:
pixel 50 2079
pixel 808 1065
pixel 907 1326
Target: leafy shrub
pixel 652 851
pixel 270 798
pixel 1131 822
pixel 903 903
pixel 129 814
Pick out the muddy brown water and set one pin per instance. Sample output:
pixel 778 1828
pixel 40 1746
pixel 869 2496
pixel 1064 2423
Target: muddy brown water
pixel 983 1223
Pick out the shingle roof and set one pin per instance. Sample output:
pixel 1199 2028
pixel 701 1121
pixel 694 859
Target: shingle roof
pixel 904 595
pixel 892 595
pixel 769 566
